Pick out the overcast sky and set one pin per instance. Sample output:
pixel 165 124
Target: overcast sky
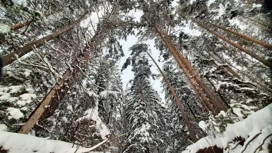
pixel 127 74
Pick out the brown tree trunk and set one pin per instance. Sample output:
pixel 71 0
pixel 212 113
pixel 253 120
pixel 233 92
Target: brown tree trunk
pixel 236 45
pixel 207 96
pixel 269 46
pixel 62 86
pixel 9 58
pixel 19 25
pixel 186 118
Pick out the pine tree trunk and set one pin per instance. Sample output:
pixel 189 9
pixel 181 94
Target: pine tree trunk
pixel 186 118
pixel 20 25
pixel 8 59
pixel 248 52
pixel 59 90
pixel 269 46
pixel 209 100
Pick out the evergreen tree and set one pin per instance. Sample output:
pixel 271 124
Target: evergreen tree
pixel 142 108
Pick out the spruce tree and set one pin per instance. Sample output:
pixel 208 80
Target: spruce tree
pixel 142 108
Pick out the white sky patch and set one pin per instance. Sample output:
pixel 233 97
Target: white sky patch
pixel 209 2
pixel 187 29
pixel 192 1
pixel 3 12
pixel 175 3
pixel 136 14
pixel 91 21
pixel 155 54
pixel 128 75
pixel 220 11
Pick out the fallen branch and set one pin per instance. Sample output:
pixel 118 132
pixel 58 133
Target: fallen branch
pixel 96 146
pixel 251 141
pixel 263 142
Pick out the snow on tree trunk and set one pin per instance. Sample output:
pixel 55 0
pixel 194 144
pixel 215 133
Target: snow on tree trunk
pixel 62 86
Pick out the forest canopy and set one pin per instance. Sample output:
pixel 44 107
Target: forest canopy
pixel 137 76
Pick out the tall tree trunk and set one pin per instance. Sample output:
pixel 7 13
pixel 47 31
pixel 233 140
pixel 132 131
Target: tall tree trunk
pixel 236 45
pixel 186 118
pixel 59 90
pixel 207 96
pixel 9 58
pixel 246 37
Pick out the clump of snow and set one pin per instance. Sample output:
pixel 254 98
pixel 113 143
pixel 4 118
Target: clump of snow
pixel 14 113
pixel 257 125
pixel 3 127
pixel 4 28
pixel 203 125
pixel 256 5
pixel 27 73
pixel 19 2
pixel 15 89
pixel 105 93
pixel 70 108
pixel 94 115
pixel 13 94
pixel 92 94
pixel 26 99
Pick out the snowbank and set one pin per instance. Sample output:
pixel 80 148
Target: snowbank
pixel 256 130
pixel 20 143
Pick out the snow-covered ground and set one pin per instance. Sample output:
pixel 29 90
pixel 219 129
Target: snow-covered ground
pixel 21 143
pixel 256 129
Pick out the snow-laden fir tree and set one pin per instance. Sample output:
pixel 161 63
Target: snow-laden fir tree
pixel 144 121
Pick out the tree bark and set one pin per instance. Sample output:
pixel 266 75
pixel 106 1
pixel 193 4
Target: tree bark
pixel 9 58
pixel 19 25
pixel 186 118
pixel 60 89
pixel 236 45
pixel 210 101
pixel 246 37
